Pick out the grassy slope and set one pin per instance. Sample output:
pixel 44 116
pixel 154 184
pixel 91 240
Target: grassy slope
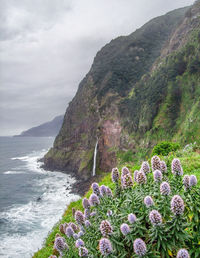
pixel 191 165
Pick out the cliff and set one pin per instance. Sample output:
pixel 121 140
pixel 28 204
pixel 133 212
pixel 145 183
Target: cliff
pixel 47 129
pixel 141 88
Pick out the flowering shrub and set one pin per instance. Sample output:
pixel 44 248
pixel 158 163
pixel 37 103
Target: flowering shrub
pixel 155 215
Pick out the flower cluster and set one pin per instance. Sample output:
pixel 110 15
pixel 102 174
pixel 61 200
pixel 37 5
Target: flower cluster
pixel 103 190
pixel 94 200
pixel 106 228
pixel 85 203
pixel 95 189
pixel 141 177
pixel 157 175
pixel 125 171
pixel 165 188
pixel 177 205
pixel 145 167
pixel 125 229
pixel 126 181
pixel 110 227
pixel 115 175
pixel 193 180
pixel 60 245
pixel 163 167
pixel 105 246
pixel 131 218
pixel 176 167
pixel 183 253
pixel 148 201
pixel 155 163
pixel 186 182
pixel 79 217
pixel 83 252
pixel 139 247
pixel 155 218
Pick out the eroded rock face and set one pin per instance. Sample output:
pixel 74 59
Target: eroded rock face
pixel 108 143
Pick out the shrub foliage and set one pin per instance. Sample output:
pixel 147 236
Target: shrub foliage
pixel 164 148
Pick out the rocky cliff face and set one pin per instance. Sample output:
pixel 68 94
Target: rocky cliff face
pixel 111 103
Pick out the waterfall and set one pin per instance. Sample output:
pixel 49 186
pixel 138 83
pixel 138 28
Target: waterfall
pixel 94 161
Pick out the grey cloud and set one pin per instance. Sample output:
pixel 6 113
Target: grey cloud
pixel 47 47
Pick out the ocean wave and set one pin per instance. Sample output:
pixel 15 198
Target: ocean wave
pixel 11 172
pixel 26 225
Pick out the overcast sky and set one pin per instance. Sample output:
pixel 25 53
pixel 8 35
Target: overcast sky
pixel 47 46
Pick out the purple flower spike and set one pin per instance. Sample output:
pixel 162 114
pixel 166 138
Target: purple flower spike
pixel 131 218
pixel 105 246
pixel 87 223
pixel 79 243
pixel 176 167
pixel 60 245
pixel 75 236
pixel 106 228
pixel 69 231
pixel 139 247
pixel 74 226
pixel 141 177
pixel 80 234
pixel 94 200
pixel 87 213
pixel 83 252
pixel 125 171
pixel 109 192
pixel 79 217
pixel 126 181
pixel 157 175
pixel 115 175
pixel 148 201
pixel 85 203
pixel 145 167
pixel 155 218
pixel 103 190
pixel 177 205
pixel 155 163
pixel 135 175
pixel 95 189
pixel 165 188
pixel 183 253
pixel 193 180
pixel 125 229
pixel 186 182
pixel 163 167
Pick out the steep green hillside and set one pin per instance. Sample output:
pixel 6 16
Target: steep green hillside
pixel 166 103
pixel 141 89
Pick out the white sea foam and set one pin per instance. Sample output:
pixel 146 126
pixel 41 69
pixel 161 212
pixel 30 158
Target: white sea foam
pixel 31 222
pixel 11 172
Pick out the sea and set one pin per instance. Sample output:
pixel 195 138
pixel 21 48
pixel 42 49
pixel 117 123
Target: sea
pixel 32 199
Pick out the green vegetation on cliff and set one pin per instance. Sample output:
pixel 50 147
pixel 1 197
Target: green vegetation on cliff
pixel 131 87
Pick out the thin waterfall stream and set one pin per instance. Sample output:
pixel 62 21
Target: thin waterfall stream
pixel 95 158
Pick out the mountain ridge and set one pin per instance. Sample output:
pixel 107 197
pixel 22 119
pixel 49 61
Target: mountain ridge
pixel 46 129
pixel 112 101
